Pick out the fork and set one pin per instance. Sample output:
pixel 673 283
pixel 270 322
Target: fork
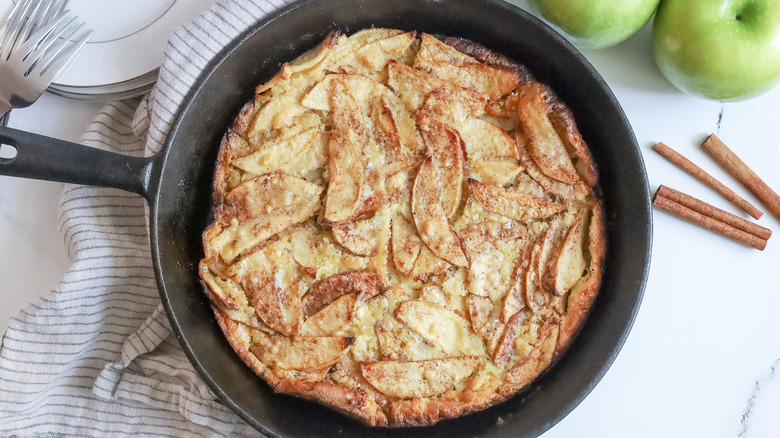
pixel 37 41
pixel 25 18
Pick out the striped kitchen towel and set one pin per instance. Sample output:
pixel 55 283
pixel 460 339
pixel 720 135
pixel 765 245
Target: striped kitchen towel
pixel 96 357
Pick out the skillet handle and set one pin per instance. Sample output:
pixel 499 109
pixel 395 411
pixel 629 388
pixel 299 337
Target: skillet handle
pixel 46 158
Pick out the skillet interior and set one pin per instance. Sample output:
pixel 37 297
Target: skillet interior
pixel 181 206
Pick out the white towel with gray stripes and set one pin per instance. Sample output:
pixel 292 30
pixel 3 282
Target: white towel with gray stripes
pixel 96 357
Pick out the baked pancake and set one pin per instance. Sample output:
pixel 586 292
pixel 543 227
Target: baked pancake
pixel 406 228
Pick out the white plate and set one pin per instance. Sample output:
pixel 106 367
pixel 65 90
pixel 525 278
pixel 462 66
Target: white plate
pixel 130 38
pixel 129 41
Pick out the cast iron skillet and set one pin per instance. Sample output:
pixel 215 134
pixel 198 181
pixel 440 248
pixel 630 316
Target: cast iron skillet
pixel 177 185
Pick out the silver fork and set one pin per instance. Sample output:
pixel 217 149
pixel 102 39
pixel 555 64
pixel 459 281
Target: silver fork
pixel 37 41
pixel 26 17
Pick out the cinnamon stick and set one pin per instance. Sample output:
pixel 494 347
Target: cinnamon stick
pixel 714 212
pixel 697 172
pixel 729 161
pixel 707 222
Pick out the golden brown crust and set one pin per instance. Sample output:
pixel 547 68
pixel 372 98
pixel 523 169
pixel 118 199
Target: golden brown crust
pixel 352 401
pixel 398 228
pixel 487 56
pixel 424 412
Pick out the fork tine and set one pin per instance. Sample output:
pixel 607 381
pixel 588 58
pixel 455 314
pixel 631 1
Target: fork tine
pixel 13 26
pixel 63 24
pixel 43 14
pixel 36 40
pixel 58 8
pixel 11 22
pixel 32 20
pixel 24 22
pixel 61 59
pixel 55 42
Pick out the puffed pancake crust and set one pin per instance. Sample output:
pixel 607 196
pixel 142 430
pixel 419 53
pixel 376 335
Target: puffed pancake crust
pixel 406 228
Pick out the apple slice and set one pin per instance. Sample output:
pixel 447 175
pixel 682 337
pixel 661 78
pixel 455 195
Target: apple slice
pixel 514 300
pixel 226 178
pixel 269 194
pixel 299 352
pixel 405 242
pixel 485 140
pixel 441 327
pixel 425 378
pixel 360 237
pixel 361 89
pixel 396 135
pixel 544 145
pixel 376 55
pixel 279 112
pixel 536 293
pixel 381 192
pixel 227 291
pixel 481 265
pixel 333 320
pixel 347 47
pixel 492 333
pixel 482 237
pixel 345 190
pixel 430 218
pixel 551 241
pixel 495 172
pixel 231 241
pixel 484 79
pixel 390 346
pixel 428 265
pixel 585 289
pixel 433 50
pixel 479 311
pixel 276 297
pixel 260 208
pixel 506 344
pixel 563 121
pixel 576 192
pixel 526 186
pixel 446 152
pixel 365 285
pixel 448 105
pixel 394 127
pixel 312 57
pixel 570 265
pixel 304 250
pixel 564 191
pixel 280 153
pixel 448 63
pixel 536 361
pixel 413 86
pixel 229 296
pixel 380 262
pixel 308 62
pixel 511 204
pixel 373 57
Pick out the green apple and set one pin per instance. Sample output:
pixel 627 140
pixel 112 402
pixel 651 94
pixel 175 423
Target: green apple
pixel 596 24
pixel 719 49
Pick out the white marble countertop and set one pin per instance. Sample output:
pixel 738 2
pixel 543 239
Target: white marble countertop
pixel 702 357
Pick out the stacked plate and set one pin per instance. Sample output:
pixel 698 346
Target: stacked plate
pixel 122 58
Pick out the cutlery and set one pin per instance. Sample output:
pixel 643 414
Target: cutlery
pixel 37 42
